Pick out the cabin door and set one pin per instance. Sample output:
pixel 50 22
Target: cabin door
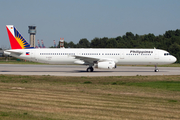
pixel 122 55
pixel 32 53
pixel 156 55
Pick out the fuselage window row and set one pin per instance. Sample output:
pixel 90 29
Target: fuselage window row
pixel 57 53
pixel 82 54
pixel 100 53
pixel 94 54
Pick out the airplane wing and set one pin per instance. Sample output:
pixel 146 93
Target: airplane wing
pixel 86 59
pixel 91 60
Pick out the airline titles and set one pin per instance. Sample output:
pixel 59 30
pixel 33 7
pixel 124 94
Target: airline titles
pixel 140 52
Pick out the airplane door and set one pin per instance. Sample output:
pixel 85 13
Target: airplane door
pixel 121 55
pixel 156 55
pixel 32 53
pixel 79 53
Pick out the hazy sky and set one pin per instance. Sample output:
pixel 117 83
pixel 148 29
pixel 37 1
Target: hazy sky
pixel 77 19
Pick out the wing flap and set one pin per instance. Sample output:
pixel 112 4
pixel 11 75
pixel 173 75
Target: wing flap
pixel 86 59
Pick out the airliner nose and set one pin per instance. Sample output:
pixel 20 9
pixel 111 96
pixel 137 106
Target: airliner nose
pixel 174 59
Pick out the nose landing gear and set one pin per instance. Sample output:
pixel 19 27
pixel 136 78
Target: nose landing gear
pixel 156 69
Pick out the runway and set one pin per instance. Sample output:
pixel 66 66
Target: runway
pixel 78 70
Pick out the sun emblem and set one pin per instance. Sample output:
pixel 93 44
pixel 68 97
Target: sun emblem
pixel 22 42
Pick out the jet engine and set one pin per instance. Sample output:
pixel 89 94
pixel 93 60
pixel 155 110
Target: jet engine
pixel 106 65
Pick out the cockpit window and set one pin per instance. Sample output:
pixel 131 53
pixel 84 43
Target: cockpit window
pixel 165 54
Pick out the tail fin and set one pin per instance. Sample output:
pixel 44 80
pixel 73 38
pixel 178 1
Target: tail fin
pixel 16 39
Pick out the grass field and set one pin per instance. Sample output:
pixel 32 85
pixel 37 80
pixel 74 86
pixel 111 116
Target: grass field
pixel 87 98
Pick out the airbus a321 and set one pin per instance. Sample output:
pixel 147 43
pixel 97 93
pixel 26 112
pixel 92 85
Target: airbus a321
pixel 94 58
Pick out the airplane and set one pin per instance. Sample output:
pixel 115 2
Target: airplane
pixel 94 58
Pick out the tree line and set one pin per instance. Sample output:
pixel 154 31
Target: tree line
pixel 170 41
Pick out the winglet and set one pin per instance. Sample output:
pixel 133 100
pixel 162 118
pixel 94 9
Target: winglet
pixel 17 41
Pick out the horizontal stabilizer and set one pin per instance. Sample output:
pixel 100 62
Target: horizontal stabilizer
pixel 9 52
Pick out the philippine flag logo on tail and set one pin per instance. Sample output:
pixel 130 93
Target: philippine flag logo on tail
pixel 27 53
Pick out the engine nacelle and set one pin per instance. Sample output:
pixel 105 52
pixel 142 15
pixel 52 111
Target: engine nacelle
pixel 105 65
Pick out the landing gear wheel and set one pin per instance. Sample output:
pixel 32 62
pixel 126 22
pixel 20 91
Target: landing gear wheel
pixel 156 69
pixel 90 69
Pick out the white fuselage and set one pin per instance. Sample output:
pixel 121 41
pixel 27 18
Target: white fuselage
pixel 69 56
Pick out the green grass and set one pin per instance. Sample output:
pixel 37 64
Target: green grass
pixel 87 82
pixel 166 85
pixel 87 98
pixel 161 82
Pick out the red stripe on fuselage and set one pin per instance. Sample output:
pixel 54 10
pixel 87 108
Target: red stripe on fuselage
pixel 13 41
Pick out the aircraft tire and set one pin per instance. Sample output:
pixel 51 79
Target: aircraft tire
pixel 90 69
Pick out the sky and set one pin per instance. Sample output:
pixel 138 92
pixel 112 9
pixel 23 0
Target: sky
pixel 77 19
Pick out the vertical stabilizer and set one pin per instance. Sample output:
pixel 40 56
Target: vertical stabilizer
pixel 17 41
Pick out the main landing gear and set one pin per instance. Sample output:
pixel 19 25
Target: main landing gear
pixel 90 69
pixel 156 69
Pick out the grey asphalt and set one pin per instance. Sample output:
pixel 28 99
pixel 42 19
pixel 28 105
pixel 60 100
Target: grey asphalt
pixel 78 70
